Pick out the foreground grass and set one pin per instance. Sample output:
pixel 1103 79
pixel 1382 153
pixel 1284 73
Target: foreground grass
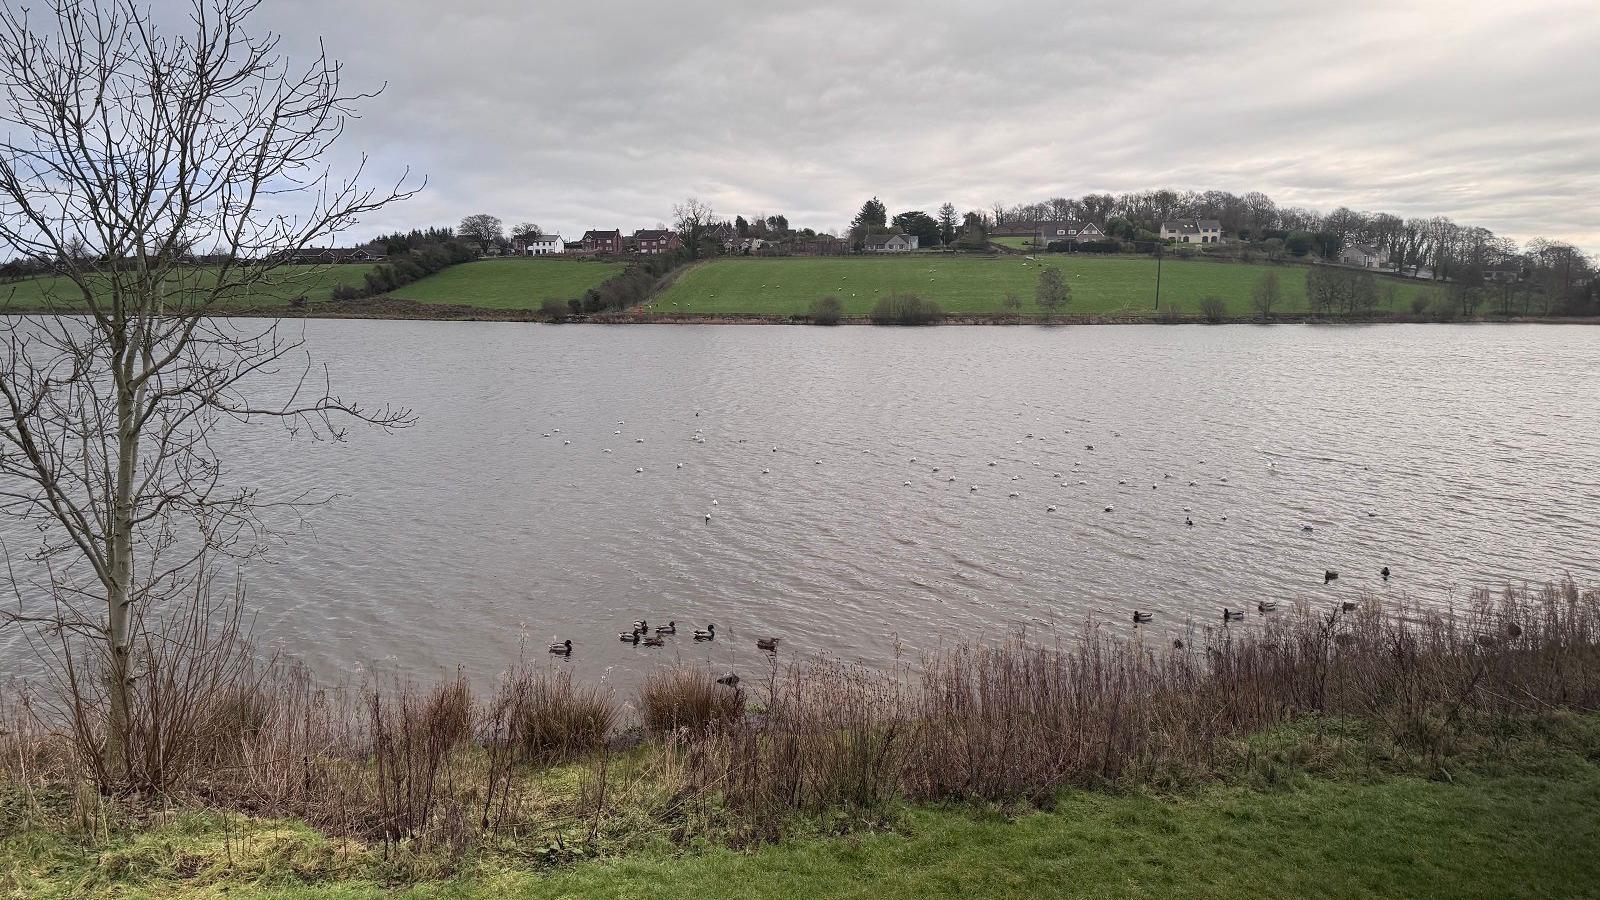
pixel 1311 818
pixel 312 283
pixel 510 283
pixel 964 285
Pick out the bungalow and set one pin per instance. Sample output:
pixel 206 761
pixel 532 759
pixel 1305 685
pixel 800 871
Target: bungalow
pixel 603 241
pixel 891 243
pixel 655 241
pixel 1192 231
pixel 1364 256
pixel 319 256
pixel 540 245
pixel 1067 232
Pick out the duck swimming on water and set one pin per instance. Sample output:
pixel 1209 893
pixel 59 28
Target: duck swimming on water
pixel 769 644
pixel 710 634
pixel 669 628
pixel 1232 615
pixel 1142 618
pixel 562 648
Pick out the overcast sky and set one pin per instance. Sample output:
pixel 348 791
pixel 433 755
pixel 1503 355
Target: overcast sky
pixel 604 114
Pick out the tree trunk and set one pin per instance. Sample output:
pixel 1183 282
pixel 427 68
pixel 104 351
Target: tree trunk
pixel 119 602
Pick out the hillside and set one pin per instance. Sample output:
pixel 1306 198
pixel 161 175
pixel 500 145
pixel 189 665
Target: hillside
pixel 314 283
pixel 977 285
pixel 509 283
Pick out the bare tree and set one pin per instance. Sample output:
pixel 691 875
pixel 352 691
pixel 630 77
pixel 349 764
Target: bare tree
pixel 482 229
pixel 1053 291
pixel 126 149
pixel 692 218
pixel 1267 294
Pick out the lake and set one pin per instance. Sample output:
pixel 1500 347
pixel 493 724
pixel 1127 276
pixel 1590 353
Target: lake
pixel 880 490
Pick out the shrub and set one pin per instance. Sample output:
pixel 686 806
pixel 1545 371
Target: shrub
pixel 1012 303
pixel 554 309
pixel 686 698
pixel 1171 314
pixel 1213 309
pixel 906 309
pixel 826 310
pixel 1053 291
pixel 549 719
pixel 347 292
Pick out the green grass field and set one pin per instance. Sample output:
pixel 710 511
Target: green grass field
pixel 315 283
pixel 510 283
pixel 1018 243
pixel 965 285
pixel 1482 837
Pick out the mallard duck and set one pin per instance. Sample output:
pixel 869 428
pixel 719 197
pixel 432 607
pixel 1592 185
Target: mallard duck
pixel 1142 618
pixel 1232 615
pixel 669 628
pixel 731 680
pixel 629 637
pixel 1385 573
pixel 1177 643
pixel 769 644
pixel 561 648
pixel 654 642
pixel 641 625
pixel 1349 606
pixel 1329 575
pixel 710 634
pixel 1267 606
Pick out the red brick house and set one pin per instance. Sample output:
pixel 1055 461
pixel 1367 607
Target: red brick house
pixel 603 241
pixel 653 241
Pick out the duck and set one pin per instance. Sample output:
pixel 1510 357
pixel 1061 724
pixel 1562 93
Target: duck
pixel 731 679
pixel 1177 643
pixel 710 634
pixel 1142 618
pixel 653 642
pixel 1349 606
pixel 1329 575
pixel 769 644
pixel 1266 606
pixel 1385 573
pixel 1513 630
pixel 1232 615
pixel 629 637
pixel 562 648
pixel 1189 522
pixel 641 626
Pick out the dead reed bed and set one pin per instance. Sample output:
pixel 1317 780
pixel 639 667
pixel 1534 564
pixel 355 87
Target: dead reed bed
pixel 1014 722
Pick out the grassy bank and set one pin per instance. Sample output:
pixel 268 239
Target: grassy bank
pixel 1320 817
pixel 509 283
pixel 1329 751
pixel 964 285
pixel 314 284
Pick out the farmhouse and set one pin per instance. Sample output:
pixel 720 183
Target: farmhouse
pixel 603 241
pixel 1066 232
pixel 1192 231
pixel 1364 256
pixel 654 241
pixel 891 243
pixel 312 256
pixel 540 245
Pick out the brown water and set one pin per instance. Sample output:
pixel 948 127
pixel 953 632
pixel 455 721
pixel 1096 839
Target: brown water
pixel 1456 455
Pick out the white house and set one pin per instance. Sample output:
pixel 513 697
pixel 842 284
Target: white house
pixel 541 245
pixel 891 243
pixel 1067 232
pixel 1364 256
pixel 1192 231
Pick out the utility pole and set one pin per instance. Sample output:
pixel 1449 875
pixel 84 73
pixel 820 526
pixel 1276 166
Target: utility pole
pixel 1158 276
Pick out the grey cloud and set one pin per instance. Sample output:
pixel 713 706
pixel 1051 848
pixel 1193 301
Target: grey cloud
pixel 605 114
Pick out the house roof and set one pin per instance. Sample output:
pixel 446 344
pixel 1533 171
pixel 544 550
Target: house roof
pixel 652 234
pixel 1071 226
pixel 612 235
pixel 1192 226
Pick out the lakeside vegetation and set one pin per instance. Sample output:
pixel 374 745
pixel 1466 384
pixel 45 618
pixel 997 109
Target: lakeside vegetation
pixel 511 283
pixel 1322 753
pixel 967 285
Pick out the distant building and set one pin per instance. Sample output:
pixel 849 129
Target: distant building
pixel 318 256
pixel 821 245
pixel 1364 256
pixel 1066 232
pixel 1192 231
pixel 1502 276
pixel 655 241
pixel 603 241
pixel 540 245
pixel 891 243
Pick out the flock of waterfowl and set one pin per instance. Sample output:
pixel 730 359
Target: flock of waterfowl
pixel 641 635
